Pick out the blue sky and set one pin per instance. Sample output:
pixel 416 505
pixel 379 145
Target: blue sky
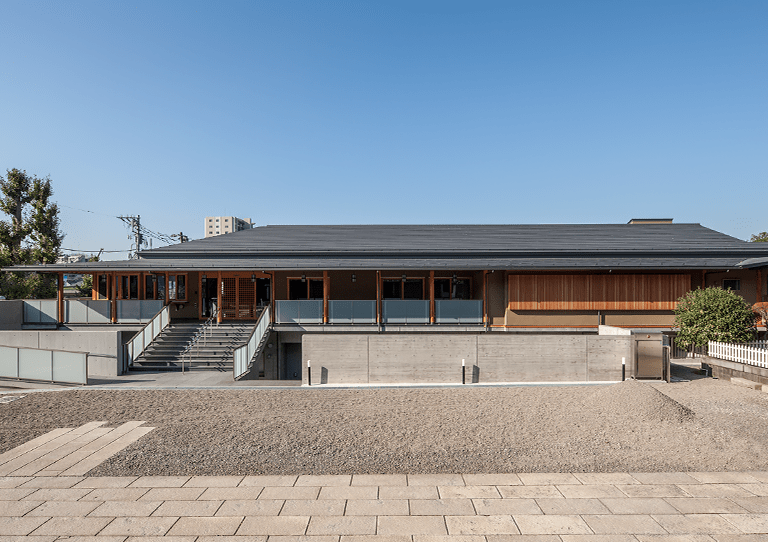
pixel 387 112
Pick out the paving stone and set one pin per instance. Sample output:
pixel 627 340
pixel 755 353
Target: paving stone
pixel 568 507
pixel 663 478
pixel 688 505
pixel 126 508
pixel 442 507
pixel 759 490
pixel 548 478
pixel 409 492
pixel 749 523
pixel 13 481
pixel 64 508
pixel 596 491
pixel 341 525
pixel 492 479
pixel 447 538
pixel 84 538
pixel 274 525
pixel 116 494
pixel 160 481
pixel 695 524
pixel 313 507
pixel 740 538
pixel 435 480
pixel 725 491
pixel 598 538
pixel 530 492
pixel 105 481
pixel 289 493
pixel 652 490
pixel 67 494
pixel 651 505
pixel 376 507
pixel 18 493
pixel 605 478
pixel 155 539
pixel 52 482
pixel 500 507
pixel 379 480
pixel 17 508
pixel 187 508
pixel 675 538
pixel 481 525
pixel 411 525
pixel 324 480
pixel 214 481
pixel 755 505
pixel 72 526
pixel 20 526
pixel 523 538
pixel 250 508
pixel 172 494
pixel 724 477
pixel 230 493
pixel 468 492
pixel 760 475
pixel 303 538
pixel 139 526
pixel 349 492
pixel 205 526
pixel 551 524
pixel 623 524
pixel 268 481
pixel 223 538
pixel 375 538
pixel 33 444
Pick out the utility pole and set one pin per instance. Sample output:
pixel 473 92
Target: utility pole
pixel 134 224
pixel 181 237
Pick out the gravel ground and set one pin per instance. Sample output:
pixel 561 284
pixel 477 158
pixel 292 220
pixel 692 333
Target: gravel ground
pixel 701 425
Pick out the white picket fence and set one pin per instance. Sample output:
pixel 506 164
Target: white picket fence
pixel 754 353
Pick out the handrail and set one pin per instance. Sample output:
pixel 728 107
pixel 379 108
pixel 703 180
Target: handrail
pixel 242 355
pixel 195 340
pixel 132 346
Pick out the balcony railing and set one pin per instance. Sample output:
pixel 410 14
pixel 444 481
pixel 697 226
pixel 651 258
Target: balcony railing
pixel 394 311
pixel 88 311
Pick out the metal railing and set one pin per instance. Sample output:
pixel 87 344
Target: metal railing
pixel 755 353
pixel 201 335
pixel 405 311
pixel 136 346
pixel 58 366
pixel 90 311
pixel 352 312
pixel 299 312
pixel 458 311
pixel 242 356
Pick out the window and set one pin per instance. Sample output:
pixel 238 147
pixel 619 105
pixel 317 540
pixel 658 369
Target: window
pixel 307 289
pixel 399 289
pixel 453 288
pixel 103 290
pixel 129 287
pixel 177 287
pixel 732 284
pixel 149 287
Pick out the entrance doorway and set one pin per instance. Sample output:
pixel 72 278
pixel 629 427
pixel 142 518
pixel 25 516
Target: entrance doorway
pixel 243 295
pixel 292 361
pixel 209 295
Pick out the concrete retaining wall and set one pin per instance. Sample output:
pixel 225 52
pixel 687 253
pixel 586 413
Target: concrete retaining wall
pixel 436 358
pixel 726 370
pixel 105 347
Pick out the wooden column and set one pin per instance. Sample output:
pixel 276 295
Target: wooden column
pixel 200 295
pixel 485 297
pixel 272 298
pixel 113 294
pixel 219 288
pixel 60 299
pixel 703 279
pixel 142 293
pixel 378 297
pixel 94 286
pixel 431 297
pixel 325 297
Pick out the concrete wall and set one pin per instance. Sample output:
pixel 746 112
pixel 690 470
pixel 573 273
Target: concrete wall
pixel 436 358
pixel 105 347
pixel 11 314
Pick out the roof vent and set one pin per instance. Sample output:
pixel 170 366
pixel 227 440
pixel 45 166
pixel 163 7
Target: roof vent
pixel 651 221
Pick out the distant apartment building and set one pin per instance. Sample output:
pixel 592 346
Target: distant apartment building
pixel 218 225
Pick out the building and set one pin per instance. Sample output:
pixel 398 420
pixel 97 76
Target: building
pixel 219 225
pixel 519 302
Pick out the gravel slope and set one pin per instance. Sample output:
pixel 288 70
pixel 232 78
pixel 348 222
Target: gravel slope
pixel 704 424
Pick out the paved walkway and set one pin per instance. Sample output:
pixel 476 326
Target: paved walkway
pixel 389 508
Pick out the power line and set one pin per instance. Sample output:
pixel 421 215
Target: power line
pixel 83 251
pixel 86 211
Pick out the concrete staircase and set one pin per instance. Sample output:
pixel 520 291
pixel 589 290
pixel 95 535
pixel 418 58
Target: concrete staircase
pixel 167 350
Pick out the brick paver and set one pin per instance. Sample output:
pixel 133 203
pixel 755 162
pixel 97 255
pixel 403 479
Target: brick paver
pixel 557 507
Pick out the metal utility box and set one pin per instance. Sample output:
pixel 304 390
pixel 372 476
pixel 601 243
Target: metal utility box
pixel 651 357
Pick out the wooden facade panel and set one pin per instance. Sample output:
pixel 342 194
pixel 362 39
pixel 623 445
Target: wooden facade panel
pixel 596 292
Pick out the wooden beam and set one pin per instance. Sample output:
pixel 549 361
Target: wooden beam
pixel 219 288
pixel 431 297
pixel 60 299
pixel 325 297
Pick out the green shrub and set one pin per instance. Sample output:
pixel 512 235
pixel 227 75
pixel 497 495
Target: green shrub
pixel 713 314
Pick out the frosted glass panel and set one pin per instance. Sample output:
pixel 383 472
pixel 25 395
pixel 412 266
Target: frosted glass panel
pixel 35 364
pixel 8 362
pixel 70 367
